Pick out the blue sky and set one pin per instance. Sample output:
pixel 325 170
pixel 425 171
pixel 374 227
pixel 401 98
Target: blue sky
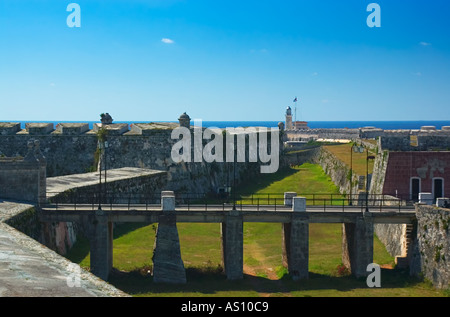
pixel 151 60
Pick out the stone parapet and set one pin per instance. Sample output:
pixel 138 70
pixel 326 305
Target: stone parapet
pixel 38 128
pixel 72 128
pixel 9 128
pixel 24 178
pixel 113 129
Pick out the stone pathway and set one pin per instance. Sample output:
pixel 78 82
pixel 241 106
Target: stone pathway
pixel 29 269
pixel 59 184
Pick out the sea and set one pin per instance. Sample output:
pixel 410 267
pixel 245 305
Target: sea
pixel 385 125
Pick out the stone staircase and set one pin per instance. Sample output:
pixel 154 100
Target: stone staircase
pixel 403 260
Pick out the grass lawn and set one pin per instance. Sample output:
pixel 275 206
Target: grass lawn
pixel 263 271
pixel 305 180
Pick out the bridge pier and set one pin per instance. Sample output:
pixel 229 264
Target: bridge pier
pixel 168 267
pixel 101 245
pixel 232 231
pixel 296 241
pixel 357 244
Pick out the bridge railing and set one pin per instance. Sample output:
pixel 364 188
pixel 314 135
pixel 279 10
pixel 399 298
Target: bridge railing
pixel 205 201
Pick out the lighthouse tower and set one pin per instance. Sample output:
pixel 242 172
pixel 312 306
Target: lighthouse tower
pixel 289 125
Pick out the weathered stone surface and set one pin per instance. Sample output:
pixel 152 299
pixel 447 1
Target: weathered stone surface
pixel 391 236
pixel 357 245
pixel 168 267
pixel 9 128
pixel 24 179
pixel 338 171
pixel 145 146
pixel 295 255
pixel 39 128
pixel 29 269
pixel 288 198
pixel 431 254
pixel 120 182
pixel 71 128
pixel 233 245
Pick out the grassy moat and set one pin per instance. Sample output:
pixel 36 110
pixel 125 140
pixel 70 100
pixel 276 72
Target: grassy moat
pixel 264 274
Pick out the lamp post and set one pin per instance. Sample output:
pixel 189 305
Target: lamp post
pixel 357 149
pixel 106 145
pixel 100 148
pixel 234 178
pixel 367 177
pixel 353 148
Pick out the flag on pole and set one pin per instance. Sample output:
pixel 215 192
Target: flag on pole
pixel 295 100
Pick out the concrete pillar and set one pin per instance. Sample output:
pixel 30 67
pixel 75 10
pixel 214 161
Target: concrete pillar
pixel 168 267
pixel 299 204
pixel 357 245
pixel 167 201
pixel 101 243
pixel 232 232
pixel 296 241
pixel 288 198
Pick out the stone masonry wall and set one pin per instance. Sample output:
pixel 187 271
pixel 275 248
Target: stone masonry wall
pixel 144 146
pixel 431 252
pixel 338 171
pixel 430 248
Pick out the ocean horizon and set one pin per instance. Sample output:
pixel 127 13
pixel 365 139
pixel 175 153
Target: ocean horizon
pixel 385 125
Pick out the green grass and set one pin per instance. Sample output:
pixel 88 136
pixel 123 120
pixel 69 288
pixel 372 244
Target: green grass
pixel 264 273
pixel 357 160
pixel 305 180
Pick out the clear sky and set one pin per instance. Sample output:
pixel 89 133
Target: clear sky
pixel 246 60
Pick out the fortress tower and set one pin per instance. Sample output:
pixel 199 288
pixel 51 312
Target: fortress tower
pixel 289 125
pixel 185 120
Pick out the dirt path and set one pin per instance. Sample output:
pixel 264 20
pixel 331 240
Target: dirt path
pixel 263 269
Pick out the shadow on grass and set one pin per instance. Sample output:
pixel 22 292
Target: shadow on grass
pixel 208 283
pixel 81 248
pixel 253 185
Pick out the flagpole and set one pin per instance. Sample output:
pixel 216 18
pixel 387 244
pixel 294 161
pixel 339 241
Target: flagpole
pixel 295 119
pixel 295 106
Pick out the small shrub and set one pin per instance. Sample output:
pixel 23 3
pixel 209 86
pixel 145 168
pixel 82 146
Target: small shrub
pixel 342 270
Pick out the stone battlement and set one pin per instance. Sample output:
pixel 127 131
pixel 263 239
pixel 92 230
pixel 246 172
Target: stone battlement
pixel 371 132
pixel 72 128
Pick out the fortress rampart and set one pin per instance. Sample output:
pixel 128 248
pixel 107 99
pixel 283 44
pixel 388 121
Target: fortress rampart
pixel 426 138
pixel 72 148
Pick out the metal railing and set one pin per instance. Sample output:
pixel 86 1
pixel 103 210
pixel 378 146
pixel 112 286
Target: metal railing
pixel 208 201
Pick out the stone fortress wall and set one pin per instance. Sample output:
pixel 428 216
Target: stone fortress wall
pixel 71 148
pixel 423 139
pixel 423 247
pixel 24 178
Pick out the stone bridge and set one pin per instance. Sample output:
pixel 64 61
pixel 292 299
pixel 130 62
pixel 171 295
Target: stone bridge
pixel 295 217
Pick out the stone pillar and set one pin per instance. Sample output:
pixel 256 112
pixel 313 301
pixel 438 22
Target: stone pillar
pixel 168 267
pixel 357 245
pixel 296 241
pixel 167 201
pixel 299 204
pixel 101 242
pixel 288 198
pixel 233 245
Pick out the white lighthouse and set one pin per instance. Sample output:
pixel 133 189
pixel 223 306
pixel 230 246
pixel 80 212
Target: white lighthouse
pixel 289 125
